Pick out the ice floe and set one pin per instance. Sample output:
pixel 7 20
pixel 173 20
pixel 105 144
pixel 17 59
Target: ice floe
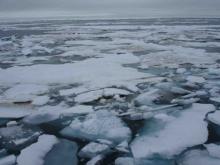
pixel 213 149
pixel 214 117
pixel 99 125
pixel 24 92
pixel 189 129
pixel 49 114
pixel 112 73
pixel 8 160
pixel 35 153
pixel 196 79
pixel 15 111
pixel 200 157
pixel 15 138
pixel 94 149
pixel 97 94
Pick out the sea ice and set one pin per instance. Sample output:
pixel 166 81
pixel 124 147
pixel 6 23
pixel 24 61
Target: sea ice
pixel 48 114
pixel 215 99
pixel 124 161
pixel 17 137
pixel 93 149
pixel 40 100
pixel 24 92
pixel 214 117
pixel 196 79
pixel 86 72
pixel 188 129
pixel 200 157
pixel 64 152
pixel 8 160
pixel 15 111
pixel 147 98
pixel 98 125
pixel 213 149
pixel 95 160
pixel 97 94
pixel 35 153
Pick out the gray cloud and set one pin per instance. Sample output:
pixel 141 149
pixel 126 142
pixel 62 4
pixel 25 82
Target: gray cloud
pixel 129 7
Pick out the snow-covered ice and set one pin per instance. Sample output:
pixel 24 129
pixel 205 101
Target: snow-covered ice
pixel 99 125
pixel 112 73
pixel 187 130
pixel 24 92
pixel 134 91
pixel 15 111
pixel 200 157
pixel 94 149
pixel 53 113
pixel 97 94
pixel 213 149
pixel 196 79
pixel 35 153
pixel 8 160
pixel 214 117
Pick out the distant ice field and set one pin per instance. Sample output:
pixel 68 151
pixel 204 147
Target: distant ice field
pixel 143 91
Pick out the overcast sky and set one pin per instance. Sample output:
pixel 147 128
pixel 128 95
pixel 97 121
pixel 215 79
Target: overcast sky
pixel 120 8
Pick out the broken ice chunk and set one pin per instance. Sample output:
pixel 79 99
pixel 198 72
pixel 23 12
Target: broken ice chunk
pixel 213 149
pixel 89 96
pixel 96 160
pixel 8 160
pixel 40 100
pixel 11 111
pixel 214 117
pixel 147 98
pixel 185 101
pixel 181 70
pixel 64 152
pixel 35 153
pixel 215 99
pixel 52 113
pixel 196 79
pixel 15 138
pixel 98 125
pixel 213 71
pixel 189 129
pixel 12 123
pixel 40 117
pixel 98 94
pixel 198 157
pixel 24 92
pixel 93 149
pixel 123 147
pixel 124 161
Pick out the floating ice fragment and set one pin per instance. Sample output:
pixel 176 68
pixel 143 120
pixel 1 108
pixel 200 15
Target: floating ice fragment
pixel 213 149
pixel 200 157
pixel 215 99
pixel 214 117
pixel 98 125
pixel 97 94
pixel 15 111
pixel 8 160
pixel 40 100
pixel 196 79
pixel 35 153
pixel 95 160
pixel 124 161
pixel 93 149
pixel 181 70
pixel 24 92
pixel 64 152
pixel 189 129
